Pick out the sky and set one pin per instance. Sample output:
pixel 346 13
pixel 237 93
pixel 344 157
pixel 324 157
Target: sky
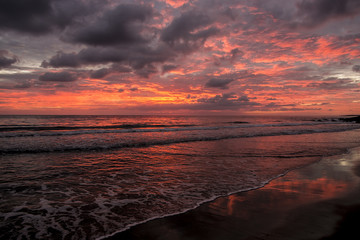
pixel 292 57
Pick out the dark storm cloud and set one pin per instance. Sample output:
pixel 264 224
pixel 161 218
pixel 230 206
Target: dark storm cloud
pixel 25 15
pixel 62 59
pixel 100 73
pixel 100 55
pixel 58 77
pixel 139 57
pixel 188 31
pixel 117 26
pixel 117 36
pixel 103 72
pixel 146 71
pixel 219 83
pixel 316 12
pixel 41 16
pixel 6 59
pixel 86 56
pixel 356 68
pixel 168 67
pixel 89 56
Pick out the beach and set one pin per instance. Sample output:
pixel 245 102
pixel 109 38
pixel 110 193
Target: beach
pixel 319 201
pixel 175 177
pixel 179 120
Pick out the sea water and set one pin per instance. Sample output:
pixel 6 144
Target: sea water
pixel 87 177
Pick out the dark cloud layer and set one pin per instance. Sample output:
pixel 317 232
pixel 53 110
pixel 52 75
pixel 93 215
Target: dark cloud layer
pixel 226 101
pixel 118 36
pixel 25 15
pixel 117 26
pixel 100 73
pixel 103 72
pixel 6 59
pixel 88 56
pixel 137 57
pixel 42 16
pixel 316 12
pixel 168 67
pixel 219 83
pixel 188 31
pixel 62 59
pixel 58 77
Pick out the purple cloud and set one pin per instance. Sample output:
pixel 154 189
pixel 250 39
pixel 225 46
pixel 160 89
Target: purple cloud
pixel 58 77
pixel 6 59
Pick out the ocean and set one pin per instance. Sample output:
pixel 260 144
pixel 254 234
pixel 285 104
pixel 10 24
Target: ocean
pixel 88 177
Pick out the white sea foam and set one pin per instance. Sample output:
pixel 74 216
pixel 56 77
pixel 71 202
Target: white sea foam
pixel 113 139
pixel 69 132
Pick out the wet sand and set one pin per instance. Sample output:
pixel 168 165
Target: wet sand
pixel 319 201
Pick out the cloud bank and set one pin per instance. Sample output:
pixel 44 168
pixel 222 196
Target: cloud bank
pixel 162 56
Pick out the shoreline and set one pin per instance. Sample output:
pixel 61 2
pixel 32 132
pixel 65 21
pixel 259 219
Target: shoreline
pixel 316 201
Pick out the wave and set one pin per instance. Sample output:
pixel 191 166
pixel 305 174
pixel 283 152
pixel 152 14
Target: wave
pixel 132 128
pixel 94 146
pixel 7 128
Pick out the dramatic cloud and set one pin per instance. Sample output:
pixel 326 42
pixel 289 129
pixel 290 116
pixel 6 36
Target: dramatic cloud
pixel 62 59
pixel 6 59
pixel 188 31
pixel 219 83
pixel 180 57
pixel 41 16
pixel 24 15
pixel 137 57
pixel 58 77
pixel 88 56
pixel 103 72
pixel 315 12
pixel 117 26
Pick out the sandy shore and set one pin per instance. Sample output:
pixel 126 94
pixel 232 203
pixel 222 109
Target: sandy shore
pixel 320 201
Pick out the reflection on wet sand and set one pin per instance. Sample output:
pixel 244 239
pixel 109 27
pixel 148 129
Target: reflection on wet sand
pixel 299 188
pixel 287 205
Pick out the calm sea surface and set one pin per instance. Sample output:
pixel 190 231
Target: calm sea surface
pixel 86 177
